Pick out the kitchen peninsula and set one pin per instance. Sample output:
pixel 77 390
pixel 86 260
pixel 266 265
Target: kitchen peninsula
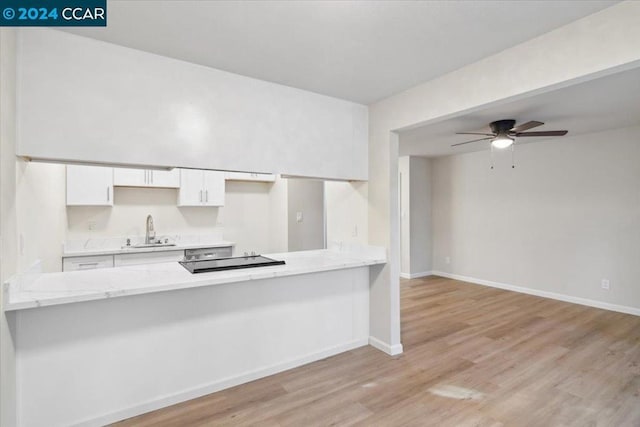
pixel 219 329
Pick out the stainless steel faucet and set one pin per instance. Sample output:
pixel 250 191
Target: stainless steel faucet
pixel 151 233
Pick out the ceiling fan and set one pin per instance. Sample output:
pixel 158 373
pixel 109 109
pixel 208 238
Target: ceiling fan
pixel 504 132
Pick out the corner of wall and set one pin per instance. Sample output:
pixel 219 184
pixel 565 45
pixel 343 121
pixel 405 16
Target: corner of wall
pixel 8 239
pixel 346 212
pixel 279 232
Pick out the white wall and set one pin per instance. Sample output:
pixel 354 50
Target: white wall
pixel 83 99
pixel 405 215
pixel 278 229
pixel 42 219
pixel 559 58
pixel 415 216
pixel 8 235
pixel 254 215
pixel 565 218
pixel 129 212
pixel 305 196
pixel 347 214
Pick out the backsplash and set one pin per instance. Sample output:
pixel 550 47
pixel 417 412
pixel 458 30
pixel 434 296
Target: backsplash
pixel 128 215
pixel 113 243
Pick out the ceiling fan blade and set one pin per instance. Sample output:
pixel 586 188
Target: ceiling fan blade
pixel 543 133
pixel 474 133
pixel 475 140
pixel 529 125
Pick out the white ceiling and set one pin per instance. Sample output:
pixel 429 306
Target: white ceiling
pixel 362 51
pixel 605 103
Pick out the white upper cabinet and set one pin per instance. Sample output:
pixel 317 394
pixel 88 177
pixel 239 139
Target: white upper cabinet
pixel 86 100
pixel 248 176
pixel 201 188
pixel 213 188
pixel 191 183
pixel 128 177
pixel 164 179
pixel 89 186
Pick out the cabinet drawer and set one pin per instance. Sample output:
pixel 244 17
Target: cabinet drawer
pixel 147 258
pixel 87 262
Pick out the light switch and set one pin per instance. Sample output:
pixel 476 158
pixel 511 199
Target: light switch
pixel 299 216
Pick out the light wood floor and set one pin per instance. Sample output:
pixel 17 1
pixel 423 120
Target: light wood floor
pixel 474 356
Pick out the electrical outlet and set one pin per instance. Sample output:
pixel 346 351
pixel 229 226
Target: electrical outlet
pixel 605 284
pixel 299 216
pixel 91 225
pixel 447 260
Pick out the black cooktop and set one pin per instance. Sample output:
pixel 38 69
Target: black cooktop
pixel 219 264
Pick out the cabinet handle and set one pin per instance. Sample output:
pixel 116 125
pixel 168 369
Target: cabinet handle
pixel 83 265
pixel 206 194
pixel 200 196
pixel 151 175
pixel 108 194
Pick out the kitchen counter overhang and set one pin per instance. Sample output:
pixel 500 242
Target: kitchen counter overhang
pixel 48 289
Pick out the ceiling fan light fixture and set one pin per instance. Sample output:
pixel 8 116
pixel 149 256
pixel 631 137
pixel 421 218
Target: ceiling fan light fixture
pixel 504 132
pixel 502 141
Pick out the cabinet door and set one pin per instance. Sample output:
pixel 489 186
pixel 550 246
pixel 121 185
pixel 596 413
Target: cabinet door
pixel 87 262
pixel 213 188
pixel 164 179
pixel 120 260
pixel 130 177
pixel 89 186
pixel 263 177
pixel 191 192
pixel 247 176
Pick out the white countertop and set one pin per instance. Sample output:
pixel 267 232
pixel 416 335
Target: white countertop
pixel 131 250
pixel 47 289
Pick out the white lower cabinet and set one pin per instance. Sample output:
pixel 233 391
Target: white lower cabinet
pixel 87 262
pixel 201 188
pixel 137 258
pixel 120 260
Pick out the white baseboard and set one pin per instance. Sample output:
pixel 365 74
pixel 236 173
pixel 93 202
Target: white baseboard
pixel 416 275
pixel 545 294
pixel 391 350
pixel 164 401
